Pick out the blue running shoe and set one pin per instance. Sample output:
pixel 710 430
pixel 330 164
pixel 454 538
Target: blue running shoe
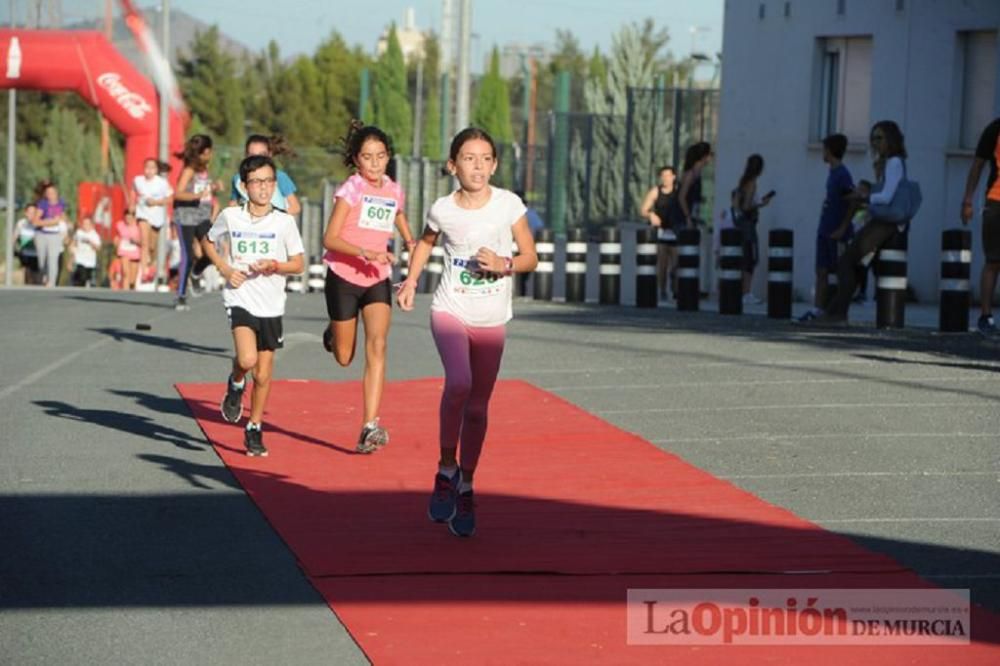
pixel 463 523
pixel 442 505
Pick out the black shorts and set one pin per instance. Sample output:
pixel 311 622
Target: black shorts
pixel 202 229
pixel 270 335
pixel 991 231
pixel 344 299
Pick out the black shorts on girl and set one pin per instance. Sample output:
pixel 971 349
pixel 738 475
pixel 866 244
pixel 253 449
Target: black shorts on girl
pixel 344 299
pixel 270 335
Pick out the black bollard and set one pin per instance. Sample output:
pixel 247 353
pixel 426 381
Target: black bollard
pixel 404 264
pixel 542 278
pixel 433 270
pixel 956 259
pixel 316 273
pixel 688 269
pixel 890 308
pixel 731 271
pixel 611 266
pixel 576 266
pixel 645 268
pixel 780 265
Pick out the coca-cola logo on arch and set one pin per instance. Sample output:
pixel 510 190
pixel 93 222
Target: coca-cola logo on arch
pixel 133 103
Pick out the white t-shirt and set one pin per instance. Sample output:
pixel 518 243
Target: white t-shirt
pixel 157 188
pixel 246 240
pixel 475 297
pixel 83 252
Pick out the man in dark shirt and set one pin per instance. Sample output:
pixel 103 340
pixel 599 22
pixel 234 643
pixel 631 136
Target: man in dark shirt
pixel 987 151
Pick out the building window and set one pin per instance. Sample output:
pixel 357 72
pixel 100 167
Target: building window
pixel 761 11
pixel 844 87
pixel 788 9
pixel 978 51
pixel 841 7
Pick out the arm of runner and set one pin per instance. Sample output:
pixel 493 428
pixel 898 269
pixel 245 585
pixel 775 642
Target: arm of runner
pixel 971 181
pixel 232 276
pixel 403 227
pixel 292 202
pixel 418 259
pixel 333 242
pixel 646 210
pixel 181 193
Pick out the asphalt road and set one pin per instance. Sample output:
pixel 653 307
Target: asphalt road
pixel 123 538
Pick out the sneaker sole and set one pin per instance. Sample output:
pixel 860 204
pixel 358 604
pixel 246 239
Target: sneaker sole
pixel 227 419
pixel 451 528
pixel 256 454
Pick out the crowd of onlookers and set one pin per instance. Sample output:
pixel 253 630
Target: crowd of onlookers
pixel 856 218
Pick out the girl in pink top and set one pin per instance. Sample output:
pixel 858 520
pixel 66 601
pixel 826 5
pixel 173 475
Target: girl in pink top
pixel 128 248
pixel 369 206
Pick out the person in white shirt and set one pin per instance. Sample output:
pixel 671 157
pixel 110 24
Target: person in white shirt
pixel 471 306
pixel 86 243
pixel 24 244
pixel 254 247
pixel 151 193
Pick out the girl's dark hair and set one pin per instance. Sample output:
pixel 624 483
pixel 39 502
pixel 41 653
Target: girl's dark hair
pixel 695 153
pixel 42 186
pixel 470 134
pixel 276 144
pixel 754 167
pixel 666 167
pixel 894 143
pixel 357 134
pixel 193 148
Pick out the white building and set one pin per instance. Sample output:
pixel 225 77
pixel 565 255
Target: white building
pixel 794 71
pixel 411 38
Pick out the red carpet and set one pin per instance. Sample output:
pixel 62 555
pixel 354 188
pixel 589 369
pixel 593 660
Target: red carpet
pixel 561 495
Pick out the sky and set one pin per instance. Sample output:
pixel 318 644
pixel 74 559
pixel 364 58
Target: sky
pixel 494 22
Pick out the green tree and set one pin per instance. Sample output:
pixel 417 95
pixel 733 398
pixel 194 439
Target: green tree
pixel 209 81
pixel 431 132
pixel 492 108
pixel 390 101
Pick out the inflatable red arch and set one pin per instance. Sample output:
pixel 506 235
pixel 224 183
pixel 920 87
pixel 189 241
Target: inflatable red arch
pixel 85 62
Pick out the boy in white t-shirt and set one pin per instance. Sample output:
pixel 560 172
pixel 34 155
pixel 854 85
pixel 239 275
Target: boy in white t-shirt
pixel 86 243
pixel 253 247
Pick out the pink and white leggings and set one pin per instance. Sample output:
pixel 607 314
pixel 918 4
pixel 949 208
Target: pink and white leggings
pixel 471 358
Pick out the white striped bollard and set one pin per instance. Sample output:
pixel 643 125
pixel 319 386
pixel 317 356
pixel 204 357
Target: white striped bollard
pixel 780 267
pixel 432 271
pixel 731 271
pixel 688 269
pixel 956 259
pixel 542 278
pixel 645 268
pixel 890 307
pixel 610 250
pixel 316 275
pixel 576 266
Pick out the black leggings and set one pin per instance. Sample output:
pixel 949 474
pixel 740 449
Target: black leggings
pixel 871 237
pixel 188 235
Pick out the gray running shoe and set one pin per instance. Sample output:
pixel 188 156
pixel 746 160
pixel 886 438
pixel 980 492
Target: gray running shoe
pixel 372 438
pixel 254 441
pixel 232 402
pixel 986 325
pixel 442 505
pixel 463 523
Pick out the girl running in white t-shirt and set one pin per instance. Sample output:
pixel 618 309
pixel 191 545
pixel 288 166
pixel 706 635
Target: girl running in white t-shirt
pixel 151 193
pixel 369 205
pixel 471 306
